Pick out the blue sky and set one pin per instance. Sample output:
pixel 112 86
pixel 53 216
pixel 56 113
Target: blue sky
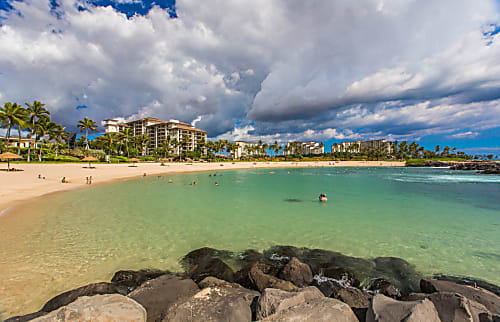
pixel 274 70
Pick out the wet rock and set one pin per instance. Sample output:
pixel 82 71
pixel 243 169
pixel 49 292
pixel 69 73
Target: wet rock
pixel 158 294
pixel 382 286
pixel 242 276
pixel 199 255
pixel 297 272
pixel 27 317
pixel 254 277
pixel 486 298
pixel 342 275
pixel 214 304
pixel 318 310
pixel 327 286
pixel 250 256
pixel 273 300
pixel 401 274
pixel 70 296
pixel 463 280
pixel 386 309
pixel 110 307
pixel 211 267
pixel 130 280
pixel 282 253
pixel 358 300
pixel 453 307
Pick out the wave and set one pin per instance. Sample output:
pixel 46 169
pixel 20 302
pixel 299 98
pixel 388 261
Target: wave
pixel 447 178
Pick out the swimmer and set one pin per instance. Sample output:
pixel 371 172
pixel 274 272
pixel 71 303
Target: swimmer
pixel 216 184
pixel 169 180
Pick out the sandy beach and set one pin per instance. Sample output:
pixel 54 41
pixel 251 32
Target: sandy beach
pixel 25 185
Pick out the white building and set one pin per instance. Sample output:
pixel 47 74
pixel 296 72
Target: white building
pixel 304 148
pixel 158 131
pixel 363 146
pixel 246 149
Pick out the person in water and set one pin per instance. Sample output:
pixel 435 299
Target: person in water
pixel 216 184
pixel 322 197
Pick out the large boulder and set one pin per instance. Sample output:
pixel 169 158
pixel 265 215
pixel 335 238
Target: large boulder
pixel 211 267
pixel 214 304
pixel 254 276
pixel 130 280
pixel 486 298
pixel 386 309
pixel 358 300
pixel 401 274
pixel 157 295
pixel 318 310
pixel 70 296
pixel 453 307
pixel 273 300
pixel 297 272
pixel 110 307
pixel 215 282
pixel 199 255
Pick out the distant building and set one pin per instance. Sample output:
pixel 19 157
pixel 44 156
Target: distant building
pixel 304 148
pixel 158 131
pixel 246 149
pixel 363 146
pixel 14 141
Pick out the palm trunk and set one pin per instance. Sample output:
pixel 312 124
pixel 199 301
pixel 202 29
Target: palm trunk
pixel 128 154
pixel 87 141
pixel 7 138
pixel 40 152
pixel 19 140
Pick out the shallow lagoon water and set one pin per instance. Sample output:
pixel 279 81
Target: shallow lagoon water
pixel 442 221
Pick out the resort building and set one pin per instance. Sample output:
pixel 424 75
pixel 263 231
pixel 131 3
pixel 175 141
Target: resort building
pixel 246 149
pixel 14 142
pixel 188 137
pixel 363 146
pixel 304 148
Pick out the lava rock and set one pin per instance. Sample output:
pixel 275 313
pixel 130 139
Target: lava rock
pixel 70 296
pixel 211 267
pixel 25 318
pixel 382 286
pixel 273 300
pixel 214 304
pixel 486 298
pixel 453 307
pixel 157 295
pixel 253 277
pixel 342 275
pixel 318 310
pixel 386 309
pixel 297 272
pixel 109 307
pixel 358 300
pixel 130 280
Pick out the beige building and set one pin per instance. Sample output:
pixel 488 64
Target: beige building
pixel 245 149
pixel 363 146
pixel 304 148
pixel 158 131
pixel 14 142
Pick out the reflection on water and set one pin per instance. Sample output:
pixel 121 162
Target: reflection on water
pixel 439 220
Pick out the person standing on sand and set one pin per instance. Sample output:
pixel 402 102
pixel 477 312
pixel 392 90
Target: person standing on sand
pixel 90 180
pixel 87 180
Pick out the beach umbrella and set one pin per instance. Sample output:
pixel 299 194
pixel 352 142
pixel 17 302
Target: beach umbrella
pixel 133 160
pixel 89 160
pixel 9 156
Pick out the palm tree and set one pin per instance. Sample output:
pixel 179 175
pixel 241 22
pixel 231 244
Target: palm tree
pixel 175 145
pixel 143 141
pixel 35 112
pixel 56 132
pixel 43 127
pixel 127 134
pixel 87 125
pixel 11 114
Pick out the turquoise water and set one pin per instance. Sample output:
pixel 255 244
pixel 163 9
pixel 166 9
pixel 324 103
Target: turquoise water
pixel 442 221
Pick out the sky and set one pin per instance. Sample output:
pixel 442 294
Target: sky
pixel 280 70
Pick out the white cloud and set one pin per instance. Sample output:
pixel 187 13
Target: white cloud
pixel 294 69
pixel 464 135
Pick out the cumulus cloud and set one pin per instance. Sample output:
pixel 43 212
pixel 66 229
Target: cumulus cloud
pixel 279 69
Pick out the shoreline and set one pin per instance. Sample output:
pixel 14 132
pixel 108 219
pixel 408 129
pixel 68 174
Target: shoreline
pixel 24 185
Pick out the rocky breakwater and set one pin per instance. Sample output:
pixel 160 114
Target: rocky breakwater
pixel 481 167
pixel 283 283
